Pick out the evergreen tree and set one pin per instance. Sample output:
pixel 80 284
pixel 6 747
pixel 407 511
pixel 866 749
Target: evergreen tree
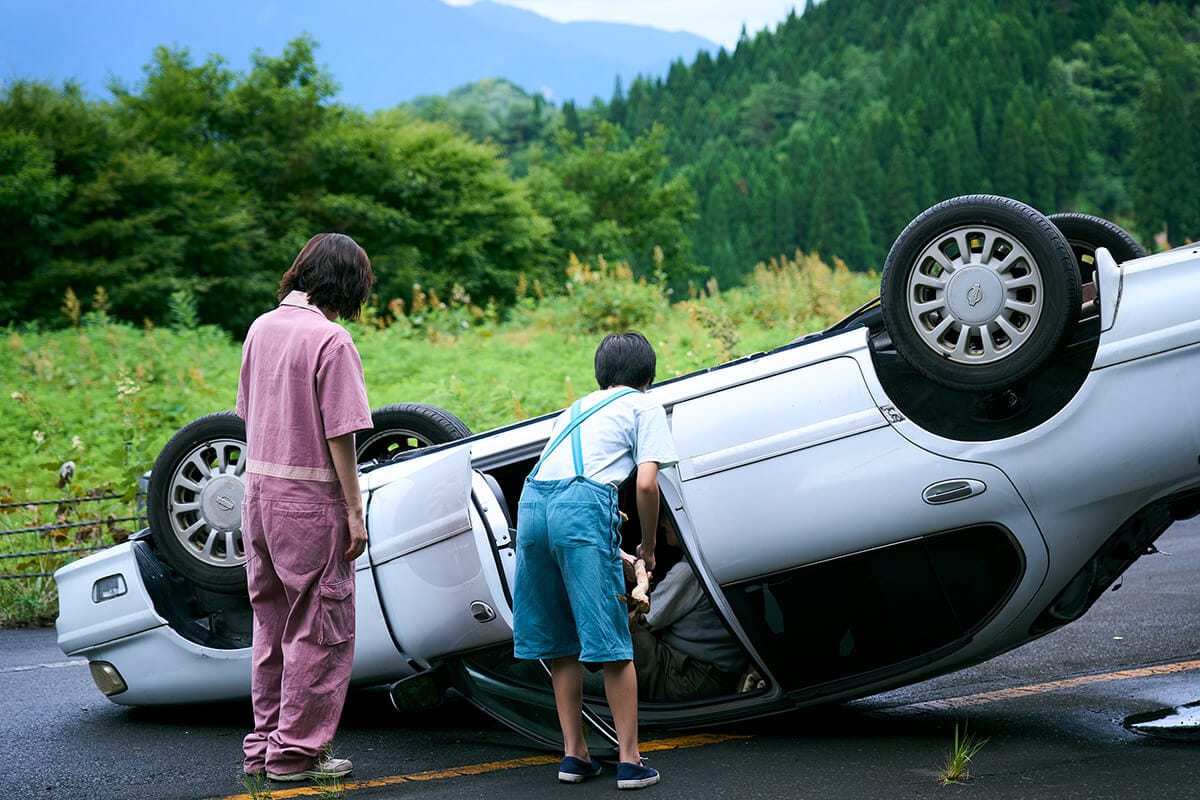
pixel 617 106
pixel 1164 180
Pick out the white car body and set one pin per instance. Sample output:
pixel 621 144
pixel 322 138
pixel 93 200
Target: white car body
pixel 803 482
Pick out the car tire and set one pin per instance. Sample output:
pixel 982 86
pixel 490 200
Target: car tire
pixel 402 427
pixel 194 501
pixel 1086 233
pixel 194 497
pixel 979 291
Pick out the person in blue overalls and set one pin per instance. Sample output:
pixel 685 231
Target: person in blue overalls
pixel 566 607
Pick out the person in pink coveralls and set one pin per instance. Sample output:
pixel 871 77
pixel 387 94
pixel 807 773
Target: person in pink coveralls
pixel 302 395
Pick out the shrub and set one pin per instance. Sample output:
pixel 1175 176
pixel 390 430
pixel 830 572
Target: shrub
pixel 598 300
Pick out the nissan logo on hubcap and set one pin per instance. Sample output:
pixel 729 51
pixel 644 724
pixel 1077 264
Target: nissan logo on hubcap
pixel 975 294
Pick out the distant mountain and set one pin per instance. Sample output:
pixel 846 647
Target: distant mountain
pixel 381 53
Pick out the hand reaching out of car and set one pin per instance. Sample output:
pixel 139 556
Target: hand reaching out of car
pixel 647 556
pixel 628 566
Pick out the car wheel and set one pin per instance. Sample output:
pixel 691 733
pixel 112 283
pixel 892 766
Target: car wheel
pixel 407 426
pixel 1086 234
pixel 979 291
pixel 194 498
pixel 194 501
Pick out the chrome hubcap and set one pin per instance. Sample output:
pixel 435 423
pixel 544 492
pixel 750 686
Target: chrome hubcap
pixel 206 502
pixel 976 295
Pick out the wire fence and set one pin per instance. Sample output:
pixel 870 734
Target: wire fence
pixel 49 545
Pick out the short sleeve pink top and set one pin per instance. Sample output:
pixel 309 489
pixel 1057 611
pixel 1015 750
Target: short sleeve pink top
pixel 301 384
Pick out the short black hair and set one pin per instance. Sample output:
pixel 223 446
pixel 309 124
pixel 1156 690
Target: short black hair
pixel 334 271
pixel 625 359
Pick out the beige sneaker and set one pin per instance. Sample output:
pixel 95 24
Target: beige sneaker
pixel 326 767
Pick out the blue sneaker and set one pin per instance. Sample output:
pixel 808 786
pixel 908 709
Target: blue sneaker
pixel 576 770
pixel 635 776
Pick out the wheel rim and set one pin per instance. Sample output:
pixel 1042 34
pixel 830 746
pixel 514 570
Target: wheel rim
pixel 383 444
pixel 976 295
pixel 206 502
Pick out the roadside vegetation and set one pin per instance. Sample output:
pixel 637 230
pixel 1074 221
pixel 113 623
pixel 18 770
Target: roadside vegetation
pixel 106 395
pixel 958 760
pixel 828 134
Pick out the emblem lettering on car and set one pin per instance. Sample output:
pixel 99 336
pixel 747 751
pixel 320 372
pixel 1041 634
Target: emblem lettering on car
pixel 975 294
pixel 224 503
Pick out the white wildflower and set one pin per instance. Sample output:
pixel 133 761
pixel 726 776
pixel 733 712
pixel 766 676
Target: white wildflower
pixel 126 386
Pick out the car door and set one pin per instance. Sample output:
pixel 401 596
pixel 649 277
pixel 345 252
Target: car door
pixel 440 554
pixel 443 558
pixel 844 552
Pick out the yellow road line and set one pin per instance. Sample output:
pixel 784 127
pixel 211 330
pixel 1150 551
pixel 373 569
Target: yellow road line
pixel 699 740
pixel 980 698
pixel 676 743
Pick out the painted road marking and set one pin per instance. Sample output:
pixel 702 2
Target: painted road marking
pixel 700 740
pixel 54 665
pixel 676 743
pixel 1017 692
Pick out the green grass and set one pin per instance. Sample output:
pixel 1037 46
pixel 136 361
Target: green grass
pixel 107 396
pixel 256 784
pixel 960 756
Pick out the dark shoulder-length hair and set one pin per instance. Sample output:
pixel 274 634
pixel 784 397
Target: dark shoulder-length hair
pixel 334 271
pixel 625 359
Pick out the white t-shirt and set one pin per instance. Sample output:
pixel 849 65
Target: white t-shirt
pixel 629 431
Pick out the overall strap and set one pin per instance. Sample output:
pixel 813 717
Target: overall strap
pixel 576 419
pixel 576 443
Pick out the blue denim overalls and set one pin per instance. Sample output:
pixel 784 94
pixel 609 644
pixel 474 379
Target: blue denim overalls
pixel 569 571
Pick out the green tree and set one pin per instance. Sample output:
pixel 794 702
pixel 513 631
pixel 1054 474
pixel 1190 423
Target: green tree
pixel 431 207
pixel 152 224
pixel 1164 179
pixel 51 141
pixel 619 203
pixel 30 198
pixel 179 106
pixel 839 225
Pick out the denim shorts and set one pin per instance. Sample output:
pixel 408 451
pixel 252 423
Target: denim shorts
pixel 569 573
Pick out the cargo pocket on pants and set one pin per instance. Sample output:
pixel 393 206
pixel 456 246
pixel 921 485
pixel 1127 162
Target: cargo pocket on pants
pixel 337 612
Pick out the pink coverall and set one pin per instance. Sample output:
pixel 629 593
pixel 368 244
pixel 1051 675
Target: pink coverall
pixel 301 384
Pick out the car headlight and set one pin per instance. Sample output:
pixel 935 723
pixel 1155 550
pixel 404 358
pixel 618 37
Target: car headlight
pixel 108 587
pixel 106 678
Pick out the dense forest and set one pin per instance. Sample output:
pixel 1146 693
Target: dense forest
pixel 181 200
pixel 831 134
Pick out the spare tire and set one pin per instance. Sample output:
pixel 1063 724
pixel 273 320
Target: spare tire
pixel 194 498
pixel 979 291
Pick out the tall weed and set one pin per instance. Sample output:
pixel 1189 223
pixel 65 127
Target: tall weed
pixel 598 300
pixel 803 294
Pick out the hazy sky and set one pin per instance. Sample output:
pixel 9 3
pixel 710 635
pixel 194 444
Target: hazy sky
pixel 718 20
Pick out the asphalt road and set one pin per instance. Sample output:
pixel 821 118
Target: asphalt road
pixel 1050 712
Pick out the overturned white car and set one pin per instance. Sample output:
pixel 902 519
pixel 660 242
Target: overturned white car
pixel 951 471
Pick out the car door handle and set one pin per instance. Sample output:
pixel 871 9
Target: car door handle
pixel 951 490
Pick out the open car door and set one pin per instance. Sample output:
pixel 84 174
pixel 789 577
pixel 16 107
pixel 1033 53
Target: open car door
pixel 519 694
pixel 442 587
pixel 443 557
